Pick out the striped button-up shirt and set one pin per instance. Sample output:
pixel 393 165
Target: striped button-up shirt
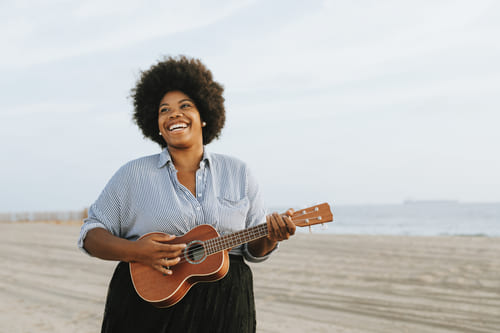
pixel 145 195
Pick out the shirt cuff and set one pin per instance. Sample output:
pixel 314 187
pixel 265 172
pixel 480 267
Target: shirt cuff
pixel 251 258
pixel 86 227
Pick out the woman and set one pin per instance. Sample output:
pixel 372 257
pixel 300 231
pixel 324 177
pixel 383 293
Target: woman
pixel 178 105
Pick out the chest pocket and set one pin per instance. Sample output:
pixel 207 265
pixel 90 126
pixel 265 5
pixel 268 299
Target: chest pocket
pixel 232 213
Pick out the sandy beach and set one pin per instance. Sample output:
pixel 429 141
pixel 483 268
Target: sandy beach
pixel 314 283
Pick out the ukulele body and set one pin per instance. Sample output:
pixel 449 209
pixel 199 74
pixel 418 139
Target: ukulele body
pixel 195 266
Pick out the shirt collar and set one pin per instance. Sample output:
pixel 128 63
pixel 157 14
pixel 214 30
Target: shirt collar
pixel 165 158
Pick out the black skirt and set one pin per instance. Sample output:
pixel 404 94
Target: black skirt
pixel 226 305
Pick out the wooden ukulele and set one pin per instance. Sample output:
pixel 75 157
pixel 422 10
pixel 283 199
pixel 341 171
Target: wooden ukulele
pixel 206 258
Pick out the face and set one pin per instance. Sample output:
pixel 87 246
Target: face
pixel 179 121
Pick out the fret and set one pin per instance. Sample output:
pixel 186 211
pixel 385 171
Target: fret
pixel 227 242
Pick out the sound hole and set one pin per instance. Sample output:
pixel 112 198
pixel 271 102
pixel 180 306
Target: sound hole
pixel 195 252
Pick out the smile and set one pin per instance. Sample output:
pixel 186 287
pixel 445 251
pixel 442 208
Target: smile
pixel 177 127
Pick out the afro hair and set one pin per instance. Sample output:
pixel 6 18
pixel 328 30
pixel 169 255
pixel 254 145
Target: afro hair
pixel 189 76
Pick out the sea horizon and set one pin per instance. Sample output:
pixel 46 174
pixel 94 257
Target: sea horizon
pixel 409 217
pixel 415 218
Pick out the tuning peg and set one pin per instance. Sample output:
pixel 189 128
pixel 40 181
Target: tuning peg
pixel 310 230
pixel 324 226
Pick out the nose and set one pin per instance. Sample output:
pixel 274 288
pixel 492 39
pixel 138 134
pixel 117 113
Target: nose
pixel 175 112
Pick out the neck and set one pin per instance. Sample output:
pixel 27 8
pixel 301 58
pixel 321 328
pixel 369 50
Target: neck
pixel 227 242
pixel 187 159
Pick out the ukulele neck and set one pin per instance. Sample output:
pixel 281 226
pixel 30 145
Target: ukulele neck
pixel 238 238
pixel 318 214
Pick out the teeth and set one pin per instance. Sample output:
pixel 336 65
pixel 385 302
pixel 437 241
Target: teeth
pixel 176 126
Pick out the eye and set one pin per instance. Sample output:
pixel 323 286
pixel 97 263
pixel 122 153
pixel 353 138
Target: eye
pixel 164 109
pixel 186 105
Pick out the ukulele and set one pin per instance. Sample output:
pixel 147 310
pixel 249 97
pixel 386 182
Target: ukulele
pixel 206 257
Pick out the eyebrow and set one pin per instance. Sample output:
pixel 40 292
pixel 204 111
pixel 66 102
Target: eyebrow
pixel 179 102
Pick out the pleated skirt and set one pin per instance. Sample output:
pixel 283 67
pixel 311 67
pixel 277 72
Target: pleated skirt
pixel 226 305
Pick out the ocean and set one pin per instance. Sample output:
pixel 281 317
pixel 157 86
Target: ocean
pixel 414 218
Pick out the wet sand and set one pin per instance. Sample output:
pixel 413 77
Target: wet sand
pixel 314 283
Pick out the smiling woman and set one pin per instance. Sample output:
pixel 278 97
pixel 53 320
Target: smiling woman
pixel 188 76
pixel 152 200
pixel 179 121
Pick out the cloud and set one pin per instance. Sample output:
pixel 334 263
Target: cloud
pixel 40 32
pixel 350 41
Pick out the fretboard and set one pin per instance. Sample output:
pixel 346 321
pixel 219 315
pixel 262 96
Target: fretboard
pixel 227 242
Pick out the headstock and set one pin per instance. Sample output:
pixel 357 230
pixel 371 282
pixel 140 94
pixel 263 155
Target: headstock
pixel 317 214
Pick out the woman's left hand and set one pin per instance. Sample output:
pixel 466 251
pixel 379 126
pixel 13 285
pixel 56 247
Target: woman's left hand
pixel 280 226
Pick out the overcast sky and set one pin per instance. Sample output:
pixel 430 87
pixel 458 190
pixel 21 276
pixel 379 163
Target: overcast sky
pixel 351 102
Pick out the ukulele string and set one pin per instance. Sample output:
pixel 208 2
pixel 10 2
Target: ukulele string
pixel 213 246
pixel 220 242
pixel 302 213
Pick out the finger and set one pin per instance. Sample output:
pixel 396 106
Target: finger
pixel 290 226
pixel 271 227
pixel 171 250
pixel 163 269
pixel 163 238
pixel 173 247
pixel 284 226
pixel 280 226
pixel 274 228
pixel 169 261
pixel 290 212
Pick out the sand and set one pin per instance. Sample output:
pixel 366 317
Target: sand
pixel 314 283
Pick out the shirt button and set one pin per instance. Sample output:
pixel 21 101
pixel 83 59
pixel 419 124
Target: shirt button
pixel 198 208
pixel 199 194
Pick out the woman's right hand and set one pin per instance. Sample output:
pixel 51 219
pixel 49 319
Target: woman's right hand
pixel 152 250
pixel 155 251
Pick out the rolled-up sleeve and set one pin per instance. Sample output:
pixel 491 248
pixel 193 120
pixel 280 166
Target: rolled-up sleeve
pixel 104 212
pixel 256 214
